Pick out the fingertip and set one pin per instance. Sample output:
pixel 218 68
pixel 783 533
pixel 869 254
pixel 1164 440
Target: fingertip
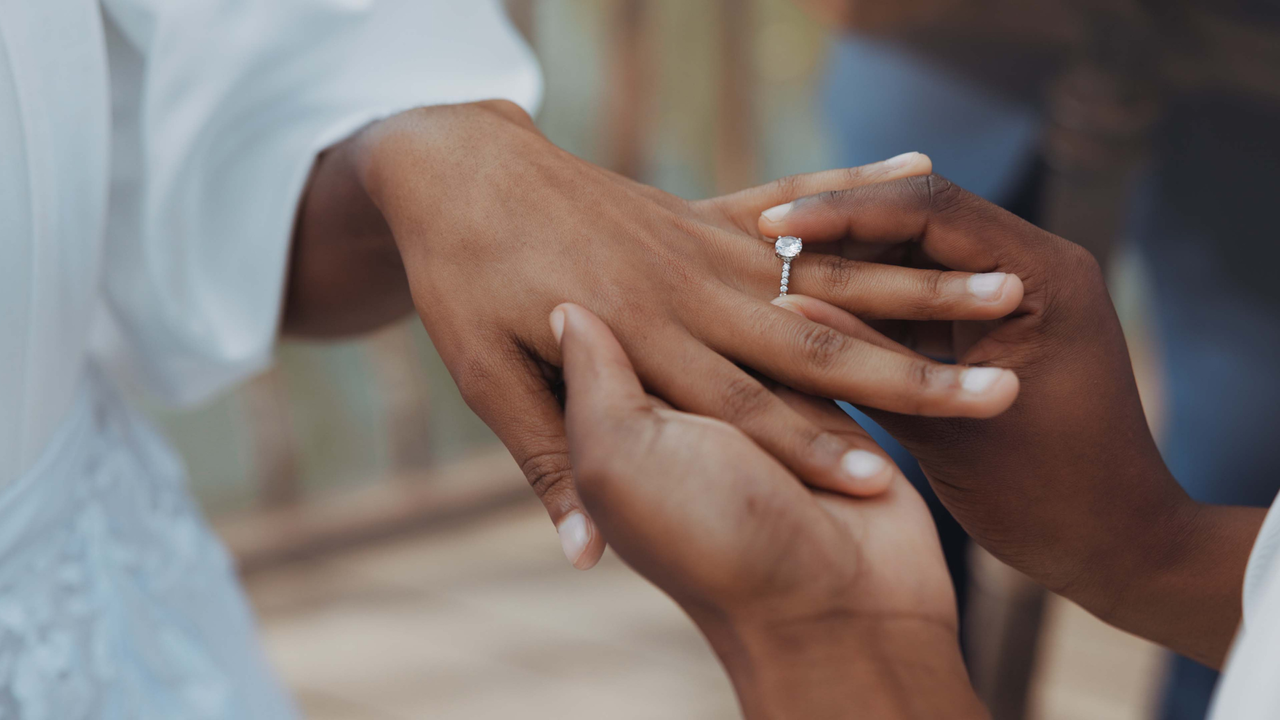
pixel 866 473
pixel 995 289
pixel 790 303
pixel 987 287
pixel 591 557
pixel 922 164
pixel 580 540
pixel 907 164
pixel 557 323
pixel 993 389
pixel 776 213
pixel 1013 290
pixel 1006 390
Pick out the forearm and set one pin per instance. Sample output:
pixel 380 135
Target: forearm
pixel 1183 590
pixel 883 669
pixel 345 273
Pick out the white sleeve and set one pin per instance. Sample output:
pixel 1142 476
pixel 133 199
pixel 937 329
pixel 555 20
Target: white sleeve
pixel 220 107
pixel 1249 689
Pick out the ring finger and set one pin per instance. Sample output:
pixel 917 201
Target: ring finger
pixel 876 291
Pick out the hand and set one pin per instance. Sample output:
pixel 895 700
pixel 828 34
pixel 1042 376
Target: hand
pixel 818 604
pixel 495 226
pixel 1067 485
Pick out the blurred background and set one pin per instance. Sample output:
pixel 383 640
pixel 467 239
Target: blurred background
pixel 402 568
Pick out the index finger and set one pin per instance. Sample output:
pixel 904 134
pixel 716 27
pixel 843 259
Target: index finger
pixel 953 226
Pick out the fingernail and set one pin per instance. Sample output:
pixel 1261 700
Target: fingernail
pixel 862 465
pixel 977 380
pixel 574 533
pixel 774 214
pixel 786 303
pixel 986 286
pixel 899 161
pixel 557 324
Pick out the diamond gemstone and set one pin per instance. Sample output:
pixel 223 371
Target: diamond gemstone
pixel 787 247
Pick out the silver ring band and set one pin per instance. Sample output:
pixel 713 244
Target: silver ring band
pixel 787 248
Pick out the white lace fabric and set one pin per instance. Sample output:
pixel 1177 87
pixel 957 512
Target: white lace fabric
pixel 116 601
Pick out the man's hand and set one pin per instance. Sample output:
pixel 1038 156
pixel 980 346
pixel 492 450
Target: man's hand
pixel 495 227
pixel 820 606
pixel 1067 485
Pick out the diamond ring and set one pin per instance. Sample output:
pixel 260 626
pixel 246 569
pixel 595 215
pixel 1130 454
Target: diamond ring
pixel 787 248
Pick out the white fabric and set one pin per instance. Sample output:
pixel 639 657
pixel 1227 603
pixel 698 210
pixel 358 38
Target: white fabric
pixel 219 109
pixel 152 153
pixel 116 601
pixel 1250 686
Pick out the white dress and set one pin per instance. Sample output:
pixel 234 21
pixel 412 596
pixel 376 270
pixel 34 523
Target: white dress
pixel 152 153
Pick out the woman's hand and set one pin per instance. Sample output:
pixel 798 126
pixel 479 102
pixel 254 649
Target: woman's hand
pixel 1068 485
pixel 819 605
pixel 495 226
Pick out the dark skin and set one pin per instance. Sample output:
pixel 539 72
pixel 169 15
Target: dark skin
pixel 829 607
pixel 818 605
pixel 1067 485
pixel 470 216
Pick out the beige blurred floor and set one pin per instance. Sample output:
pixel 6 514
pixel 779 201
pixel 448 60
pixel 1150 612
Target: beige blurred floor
pixel 484 620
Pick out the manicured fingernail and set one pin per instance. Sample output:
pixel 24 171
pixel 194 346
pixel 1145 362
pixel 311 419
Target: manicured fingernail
pixel 575 534
pixel 986 286
pixel 557 324
pixel 899 161
pixel 862 465
pixel 774 214
pixel 977 380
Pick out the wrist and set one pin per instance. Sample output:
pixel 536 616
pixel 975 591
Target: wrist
pixel 1134 539
pixel 845 666
pixel 1184 588
pixel 427 159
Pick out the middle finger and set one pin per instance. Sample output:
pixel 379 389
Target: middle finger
pixel 819 360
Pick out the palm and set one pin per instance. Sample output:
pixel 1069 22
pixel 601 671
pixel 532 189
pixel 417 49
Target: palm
pixel 714 520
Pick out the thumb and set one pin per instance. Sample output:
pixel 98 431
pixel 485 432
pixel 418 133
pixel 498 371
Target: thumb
pixel 606 408
pixel 514 400
pixel 601 383
pixel 772 202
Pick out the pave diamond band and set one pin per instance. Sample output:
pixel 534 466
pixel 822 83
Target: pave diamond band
pixel 786 248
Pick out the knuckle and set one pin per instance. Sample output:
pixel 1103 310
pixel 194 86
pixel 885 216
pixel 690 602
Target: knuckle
pixel 923 377
pixel 944 195
pixel 788 187
pixel 1081 283
pixel 933 282
pixel 833 198
pixel 821 346
pixel 942 199
pixel 929 293
pixel 477 377
pixel 813 441
pixel 485 371
pixel 921 187
pixel 743 398
pixel 854 176
pixel 1082 261
pixel 836 274
pixel 937 195
pixel 550 472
